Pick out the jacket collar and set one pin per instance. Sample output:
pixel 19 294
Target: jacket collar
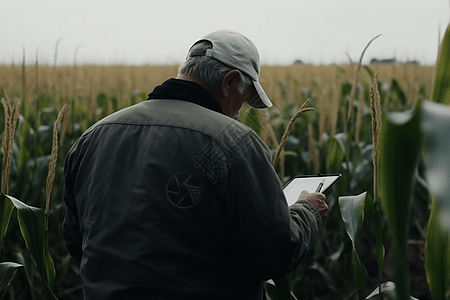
pixel 177 89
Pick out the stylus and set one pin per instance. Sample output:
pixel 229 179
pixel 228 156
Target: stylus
pixel 319 187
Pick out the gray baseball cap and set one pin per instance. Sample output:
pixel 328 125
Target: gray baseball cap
pixel 237 51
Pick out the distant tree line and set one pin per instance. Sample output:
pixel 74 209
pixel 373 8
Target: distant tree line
pixel 386 61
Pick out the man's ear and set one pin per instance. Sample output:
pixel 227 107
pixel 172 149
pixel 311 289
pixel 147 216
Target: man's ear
pixel 227 82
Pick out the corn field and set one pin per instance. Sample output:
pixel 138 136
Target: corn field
pixel 386 224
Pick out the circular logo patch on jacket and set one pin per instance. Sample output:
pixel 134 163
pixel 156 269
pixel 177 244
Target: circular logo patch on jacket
pixel 184 190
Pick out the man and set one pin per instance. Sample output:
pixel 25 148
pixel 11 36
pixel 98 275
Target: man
pixel 174 199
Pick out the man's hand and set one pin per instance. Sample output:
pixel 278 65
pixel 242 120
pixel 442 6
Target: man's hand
pixel 317 200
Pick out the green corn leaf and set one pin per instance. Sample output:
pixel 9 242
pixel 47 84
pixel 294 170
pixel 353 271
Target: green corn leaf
pixel 381 251
pixel 335 151
pixel 7 272
pixel 5 216
pixel 398 92
pixel 32 225
pixel 352 212
pixel 250 116
pixel 436 125
pixel 273 292
pixel 437 256
pixel 400 150
pixel 270 289
pixel 373 213
pixel 388 290
pixel 436 128
pixel 441 89
pixel 370 72
pixel 359 275
pixel 38 288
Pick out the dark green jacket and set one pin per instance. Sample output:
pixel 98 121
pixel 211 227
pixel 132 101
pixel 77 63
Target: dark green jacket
pixel 167 199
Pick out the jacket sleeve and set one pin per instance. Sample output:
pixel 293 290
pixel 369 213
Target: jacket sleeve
pixel 270 236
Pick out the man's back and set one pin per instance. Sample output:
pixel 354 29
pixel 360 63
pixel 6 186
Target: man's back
pixel 151 189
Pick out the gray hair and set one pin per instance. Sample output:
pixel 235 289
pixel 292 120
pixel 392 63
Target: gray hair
pixel 207 69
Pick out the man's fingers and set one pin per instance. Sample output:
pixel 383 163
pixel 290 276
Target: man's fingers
pixel 318 200
pixel 305 195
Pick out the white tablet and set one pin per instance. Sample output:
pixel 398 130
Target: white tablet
pixel 310 183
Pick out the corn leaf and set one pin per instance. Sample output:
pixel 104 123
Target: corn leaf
pixel 441 89
pixel 437 256
pixel 33 228
pixel 5 216
pixel 381 251
pixel 398 92
pixel 388 290
pixel 38 288
pixel 251 117
pixel 373 213
pixel 400 150
pixel 270 289
pixel 335 151
pixel 359 275
pixel 273 292
pixel 436 125
pixel 352 212
pixel 369 71
pixel 7 272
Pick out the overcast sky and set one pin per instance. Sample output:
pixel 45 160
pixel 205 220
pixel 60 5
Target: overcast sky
pixel 161 32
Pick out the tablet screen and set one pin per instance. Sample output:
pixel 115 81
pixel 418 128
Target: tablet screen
pixel 309 183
